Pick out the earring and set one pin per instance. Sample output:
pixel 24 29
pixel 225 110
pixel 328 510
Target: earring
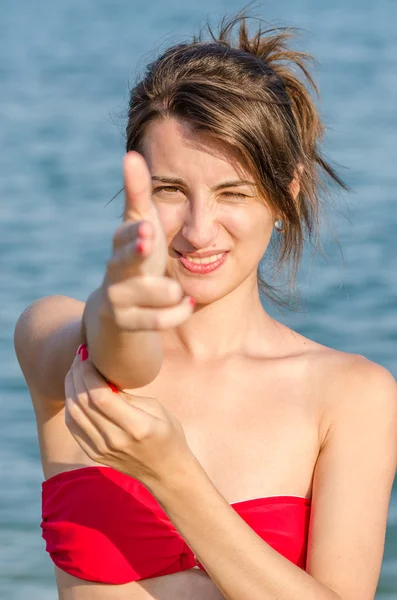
pixel 279 225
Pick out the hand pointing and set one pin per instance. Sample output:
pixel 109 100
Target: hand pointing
pixel 141 219
pixel 137 295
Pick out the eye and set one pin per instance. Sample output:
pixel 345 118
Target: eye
pixel 235 194
pixel 168 189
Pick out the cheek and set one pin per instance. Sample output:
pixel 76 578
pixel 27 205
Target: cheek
pixel 238 222
pixel 247 226
pixel 252 231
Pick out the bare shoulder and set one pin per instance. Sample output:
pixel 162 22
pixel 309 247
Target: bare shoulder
pixel 46 336
pixel 344 386
pixel 351 388
pixel 348 376
pixel 337 368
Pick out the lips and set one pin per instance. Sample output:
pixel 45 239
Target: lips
pixel 201 254
pixel 204 260
pixel 197 265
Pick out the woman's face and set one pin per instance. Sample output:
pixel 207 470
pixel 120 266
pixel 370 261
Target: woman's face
pixel 208 204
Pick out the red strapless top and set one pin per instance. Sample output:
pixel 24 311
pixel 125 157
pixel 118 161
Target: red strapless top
pixel 104 526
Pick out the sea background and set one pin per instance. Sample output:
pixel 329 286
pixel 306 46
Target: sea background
pixel 65 71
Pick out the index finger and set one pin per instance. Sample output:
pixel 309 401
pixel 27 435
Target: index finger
pixel 138 187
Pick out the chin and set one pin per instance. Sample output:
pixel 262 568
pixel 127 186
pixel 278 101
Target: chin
pixel 205 292
pixel 203 296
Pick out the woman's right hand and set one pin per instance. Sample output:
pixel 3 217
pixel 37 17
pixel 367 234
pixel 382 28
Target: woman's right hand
pixel 136 295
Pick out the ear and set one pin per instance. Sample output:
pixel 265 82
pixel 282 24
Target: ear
pixel 294 186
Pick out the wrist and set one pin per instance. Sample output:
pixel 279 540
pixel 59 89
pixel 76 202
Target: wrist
pixel 178 480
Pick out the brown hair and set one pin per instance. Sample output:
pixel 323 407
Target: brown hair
pixel 244 92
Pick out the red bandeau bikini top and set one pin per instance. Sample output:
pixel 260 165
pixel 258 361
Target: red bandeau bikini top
pixel 104 526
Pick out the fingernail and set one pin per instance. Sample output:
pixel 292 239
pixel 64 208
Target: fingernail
pixel 79 349
pixel 83 352
pixel 113 387
pixel 192 301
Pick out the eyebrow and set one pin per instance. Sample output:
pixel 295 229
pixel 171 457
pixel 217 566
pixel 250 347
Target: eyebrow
pixel 219 186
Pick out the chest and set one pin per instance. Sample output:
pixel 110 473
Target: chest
pixel 253 427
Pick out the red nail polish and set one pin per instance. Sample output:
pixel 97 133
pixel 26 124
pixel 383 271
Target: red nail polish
pixel 192 301
pixel 79 349
pixel 84 353
pixel 113 387
pixel 139 247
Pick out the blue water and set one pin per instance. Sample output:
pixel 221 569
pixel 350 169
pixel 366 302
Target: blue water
pixel 64 74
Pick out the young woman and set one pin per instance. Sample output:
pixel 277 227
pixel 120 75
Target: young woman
pixel 237 459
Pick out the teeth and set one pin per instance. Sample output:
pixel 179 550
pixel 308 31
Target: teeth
pixel 204 261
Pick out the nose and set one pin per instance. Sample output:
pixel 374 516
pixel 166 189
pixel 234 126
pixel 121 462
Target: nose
pixel 200 227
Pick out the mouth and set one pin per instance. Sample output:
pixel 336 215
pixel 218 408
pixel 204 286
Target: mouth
pixel 204 264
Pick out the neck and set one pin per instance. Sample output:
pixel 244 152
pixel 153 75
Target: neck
pixel 233 324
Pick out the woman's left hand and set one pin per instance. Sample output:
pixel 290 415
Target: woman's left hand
pixel 133 434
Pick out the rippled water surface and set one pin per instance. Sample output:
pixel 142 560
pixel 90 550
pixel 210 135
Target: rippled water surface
pixel 64 74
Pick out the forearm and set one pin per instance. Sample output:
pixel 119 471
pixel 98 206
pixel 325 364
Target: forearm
pixel 126 358
pixel 240 563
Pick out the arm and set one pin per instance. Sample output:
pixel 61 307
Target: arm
pixel 130 359
pixel 49 331
pixel 46 336
pixel 121 319
pixel 352 486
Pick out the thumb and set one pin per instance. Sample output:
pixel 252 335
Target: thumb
pixel 138 188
